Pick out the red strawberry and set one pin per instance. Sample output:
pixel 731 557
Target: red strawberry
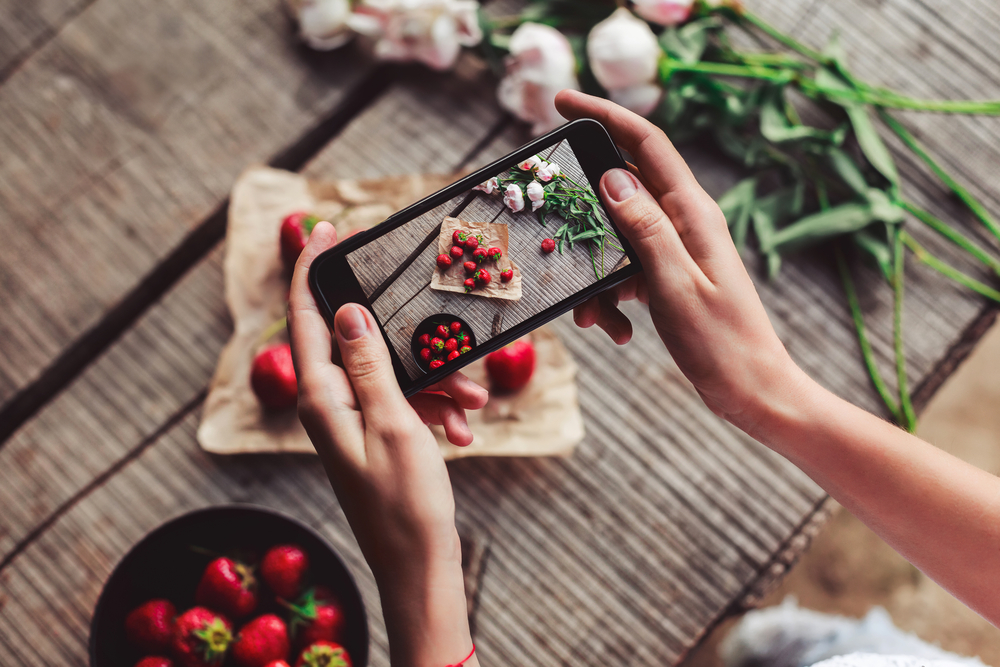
pixel 262 640
pixel 437 363
pixel 470 267
pixel 444 262
pixel 155 661
pixel 495 254
pixel 284 568
pixel 465 349
pixel 277 663
pixel 150 626
pixel 479 254
pixel 437 344
pixel 458 237
pixel 201 638
pixel 457 251
pixel 425 354
pixel 461 337
pixel 455 328
pixel 470 285
pixel 454 354
pixel 228 586
pixel 272 377
pixel 295 230
pixel 482 277
pixel 441 331
pixel 451 344
pixel 472 242
pixel 548 245
pixel 324 654
pixel 316 616
pixel 510 368
pixel 507 275
pixel 425 340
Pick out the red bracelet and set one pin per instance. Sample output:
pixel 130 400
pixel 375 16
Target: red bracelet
pixel 459 664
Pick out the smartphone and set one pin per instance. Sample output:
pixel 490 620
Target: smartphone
pixel 498 282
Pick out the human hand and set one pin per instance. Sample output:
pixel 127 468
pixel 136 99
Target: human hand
pixel 700 297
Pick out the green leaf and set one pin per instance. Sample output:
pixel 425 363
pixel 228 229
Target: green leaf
pixel 875 248
pixel 884 208
pixel 768 214
pixel 737 205
pixel 847 169
pixel 778 129
pixel 871 143
pixel 688 43
pixel 843 219
pixel 589 234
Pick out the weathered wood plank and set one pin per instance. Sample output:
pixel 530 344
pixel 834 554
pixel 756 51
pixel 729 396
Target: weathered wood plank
pixel 25 26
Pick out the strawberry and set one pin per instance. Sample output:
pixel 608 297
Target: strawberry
pixel 425 340
pixel 510 368
pixel 451 344
pixel 437 363
pixel 295 230
pixel 548 245
pixel 444 262
pixel 201 638
pixel 150 626
pixel 455 328
pixel 228 586
pixel 454 354
pixel 272 377
pixel 324 654
pixel 316 616
pixel 284 568
pixel 472 242
pixel 457 251
pixel 495 253
pixel 425 354
pixel 465 349
pixel 441 331
pixel 507 275
pixel 458 237
pixel 437 344
pixel 262 640
pixel 479 254
pixel 470 267
pixel 461 337
pixel 155 661
pixel 482 277
pixel 470 285
pixel 277 663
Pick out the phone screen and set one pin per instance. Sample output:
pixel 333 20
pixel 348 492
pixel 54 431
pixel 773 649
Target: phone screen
pixel 415 280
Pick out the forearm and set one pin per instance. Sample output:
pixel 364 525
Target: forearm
pixel 939 512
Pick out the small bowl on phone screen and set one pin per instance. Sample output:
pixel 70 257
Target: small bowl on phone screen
pixel 465 336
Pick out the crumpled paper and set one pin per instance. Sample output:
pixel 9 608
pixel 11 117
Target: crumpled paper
pixel 544 419
pixel 494 235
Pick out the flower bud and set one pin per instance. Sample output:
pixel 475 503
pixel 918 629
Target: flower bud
pixel 664 12
pixel 536 193
pixel 489 187
pixel 623 54
pixel 323 23
pixel 547 172
pixel 533 162
pixel 514 198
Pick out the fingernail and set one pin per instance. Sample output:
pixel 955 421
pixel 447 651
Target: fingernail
pixel 620 184
pixel 351 322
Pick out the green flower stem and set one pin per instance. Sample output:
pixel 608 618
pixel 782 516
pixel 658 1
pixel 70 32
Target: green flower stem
pixel 896 101
pixel 669 65
pixel 909 421
pixel 967 198
pixel 930 260
pixel 953 235
pixel 782 38
pixel 866 347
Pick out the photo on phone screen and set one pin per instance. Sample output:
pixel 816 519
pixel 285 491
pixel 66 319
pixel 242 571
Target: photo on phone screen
pixel 407 289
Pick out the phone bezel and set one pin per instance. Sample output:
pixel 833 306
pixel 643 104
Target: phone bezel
pixel 330 272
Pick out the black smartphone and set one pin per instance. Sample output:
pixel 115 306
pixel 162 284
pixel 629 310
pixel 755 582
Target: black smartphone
pixel 468 269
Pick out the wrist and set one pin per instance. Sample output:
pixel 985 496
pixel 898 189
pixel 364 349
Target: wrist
pixel 779 404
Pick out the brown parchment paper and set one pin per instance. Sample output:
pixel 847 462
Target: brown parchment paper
pixel 542 420
pixel 494 235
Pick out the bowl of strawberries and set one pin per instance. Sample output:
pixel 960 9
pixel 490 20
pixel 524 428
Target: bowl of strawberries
pixel 439 339
pixel 231 586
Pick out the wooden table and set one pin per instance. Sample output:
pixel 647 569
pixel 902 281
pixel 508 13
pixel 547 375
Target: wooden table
pixel 123 125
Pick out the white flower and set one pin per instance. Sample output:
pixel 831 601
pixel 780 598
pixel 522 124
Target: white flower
pixel 533 162
pixel 623 54
pixel 536 193
pixel 547 172
pixel 431 31
pixel 541 63
pixel 323 23
pixel 488 186
pixel 514 198
pixel 664 12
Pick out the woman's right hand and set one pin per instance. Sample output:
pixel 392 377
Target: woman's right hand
pixel 700 297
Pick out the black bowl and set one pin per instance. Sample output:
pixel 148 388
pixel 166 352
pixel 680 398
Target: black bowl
pixel 163 565
pixel 428 326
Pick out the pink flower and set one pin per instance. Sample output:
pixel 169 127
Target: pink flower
pixel 489 187
pixel 430 31
pixel 514 198
pixel 664 12
pixel 536 193
pixel 323 23
pixel 623 54
pixel 541 63
pixel 547 172
pixel 532 162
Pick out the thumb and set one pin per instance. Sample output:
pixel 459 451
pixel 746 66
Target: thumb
pixel 368 364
